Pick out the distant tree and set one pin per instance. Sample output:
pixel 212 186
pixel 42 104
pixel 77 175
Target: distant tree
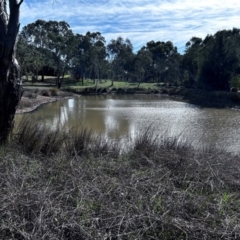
pixel 97 54
pixel 189 63
pixel 120 55
pixel 32 59
pixel 163 59
pixel 143 62
pixel 80 58
pixel 22 54
pixel 51 43
pixel 10 79
pixel 89 56
pixel 60 43
pixel 213 63
pixel 32 48
pixel 219 60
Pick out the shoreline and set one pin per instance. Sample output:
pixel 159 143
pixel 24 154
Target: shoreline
pixel 37 105
pixel 31 101
pixel 28 104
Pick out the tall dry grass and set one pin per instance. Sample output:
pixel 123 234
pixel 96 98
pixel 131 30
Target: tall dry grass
pixel 88 189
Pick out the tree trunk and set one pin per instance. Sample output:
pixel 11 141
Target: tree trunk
pixel 59 80
pixel 42 80
pixel 10 79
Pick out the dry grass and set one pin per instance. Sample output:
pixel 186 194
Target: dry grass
pixel 88 189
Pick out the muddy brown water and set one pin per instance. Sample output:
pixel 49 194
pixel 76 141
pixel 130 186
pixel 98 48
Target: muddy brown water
pixel 125 116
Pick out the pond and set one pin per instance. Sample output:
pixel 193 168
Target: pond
pixel 125 116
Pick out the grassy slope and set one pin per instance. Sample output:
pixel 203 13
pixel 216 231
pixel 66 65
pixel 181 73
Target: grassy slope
pixel 79 186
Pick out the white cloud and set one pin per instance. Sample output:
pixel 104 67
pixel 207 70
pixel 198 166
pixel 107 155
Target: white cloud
pixel 139 20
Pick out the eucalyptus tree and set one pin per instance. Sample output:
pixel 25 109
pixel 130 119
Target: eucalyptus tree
pixel 32 58
pixel 35 33
pixel 189 62
pixel 163 55
pixel 214 62
pixel 97 54
pixel 219 60
pixel 23 55
pixel 80 58
pixel 143 62
pixel 33 37
pixel 10 79
pixel 52 44
pixel 60 41
pixel 89 55
pixel 120 54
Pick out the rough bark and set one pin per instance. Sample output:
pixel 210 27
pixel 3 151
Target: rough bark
pixel 10 79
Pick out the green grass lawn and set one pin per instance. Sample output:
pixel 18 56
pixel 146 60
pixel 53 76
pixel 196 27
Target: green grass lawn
pixel 71 84
pixel 108 84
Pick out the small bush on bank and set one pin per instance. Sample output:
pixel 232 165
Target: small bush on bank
pixel 52 92
pixel 31 95
pixel 46 93
pixel 87 189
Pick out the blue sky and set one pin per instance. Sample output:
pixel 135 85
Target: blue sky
pixel 139 20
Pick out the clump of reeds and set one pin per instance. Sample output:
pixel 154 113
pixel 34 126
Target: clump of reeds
pixel 155 190
pixel 38 138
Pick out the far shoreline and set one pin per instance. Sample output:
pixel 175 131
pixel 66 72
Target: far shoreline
pixel 31 102
pixel 34 98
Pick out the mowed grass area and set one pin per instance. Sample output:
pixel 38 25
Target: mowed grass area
pixel 70 83
pixel 79 185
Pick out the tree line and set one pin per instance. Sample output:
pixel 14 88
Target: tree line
pixel 50 47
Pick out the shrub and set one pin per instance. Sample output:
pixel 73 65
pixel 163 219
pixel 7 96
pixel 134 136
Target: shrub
pixel 54 92
pixel 46 93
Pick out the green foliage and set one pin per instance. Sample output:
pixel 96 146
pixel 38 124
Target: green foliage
pixel 235 81
pixel 121 58
pixel 214 62
pixel 46 45
pixel 164 61
pixel 90 57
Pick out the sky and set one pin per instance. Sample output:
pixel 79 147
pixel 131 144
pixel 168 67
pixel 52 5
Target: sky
pixel 139 20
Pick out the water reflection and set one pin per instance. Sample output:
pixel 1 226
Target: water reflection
pixel 125 116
